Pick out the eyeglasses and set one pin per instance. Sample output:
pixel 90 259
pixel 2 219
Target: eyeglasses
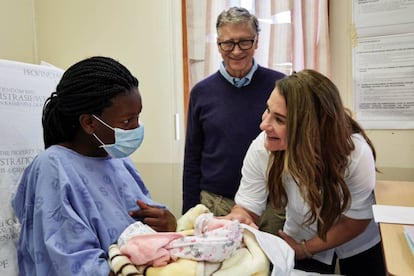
pixel 229 45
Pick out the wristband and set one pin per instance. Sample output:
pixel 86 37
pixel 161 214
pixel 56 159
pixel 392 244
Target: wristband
pixel 305 249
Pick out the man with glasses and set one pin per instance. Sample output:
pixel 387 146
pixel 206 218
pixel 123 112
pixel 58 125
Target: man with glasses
pixel 224 114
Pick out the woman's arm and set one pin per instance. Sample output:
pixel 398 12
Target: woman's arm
pixel 345 230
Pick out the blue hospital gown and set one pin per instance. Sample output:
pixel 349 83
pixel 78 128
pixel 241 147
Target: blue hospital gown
pixel 71 208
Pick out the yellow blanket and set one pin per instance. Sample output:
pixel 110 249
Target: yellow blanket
pixel 246 261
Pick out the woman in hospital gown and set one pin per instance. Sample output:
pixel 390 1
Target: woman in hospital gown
pixel 77 196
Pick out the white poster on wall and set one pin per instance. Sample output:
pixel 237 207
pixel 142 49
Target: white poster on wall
pixel 384 81
pixel 23 91
pixel 383 63
pixel 383 17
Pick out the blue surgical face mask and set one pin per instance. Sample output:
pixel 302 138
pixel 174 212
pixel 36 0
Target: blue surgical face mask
pixel 126 140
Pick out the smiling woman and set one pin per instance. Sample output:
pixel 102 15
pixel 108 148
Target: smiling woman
pixel 274 122
pixel 314 161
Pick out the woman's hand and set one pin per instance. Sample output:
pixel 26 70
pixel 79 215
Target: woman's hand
pixel 159 219
pixel 298 247
pixel 243 216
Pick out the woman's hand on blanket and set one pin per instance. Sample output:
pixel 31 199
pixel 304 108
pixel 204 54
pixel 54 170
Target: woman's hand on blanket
pixel 298 247
pixel 159 219
pixel 243 216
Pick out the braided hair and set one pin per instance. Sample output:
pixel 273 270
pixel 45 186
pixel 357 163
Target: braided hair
pixel 87 87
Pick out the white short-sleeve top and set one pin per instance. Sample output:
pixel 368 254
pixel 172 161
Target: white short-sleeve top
pixel 359 176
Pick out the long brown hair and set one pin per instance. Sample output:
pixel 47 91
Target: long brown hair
pixel 319 131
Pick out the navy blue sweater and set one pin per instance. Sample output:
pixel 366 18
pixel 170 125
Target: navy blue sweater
pixel 222 122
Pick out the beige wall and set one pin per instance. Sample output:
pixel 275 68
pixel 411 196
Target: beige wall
pixel 146 37
pixel 17 30
pixel 395 148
